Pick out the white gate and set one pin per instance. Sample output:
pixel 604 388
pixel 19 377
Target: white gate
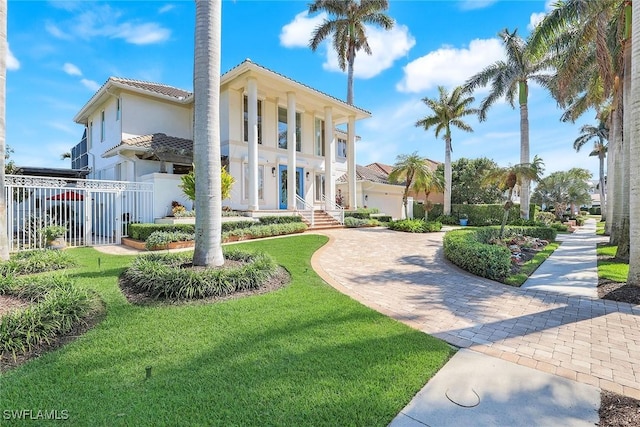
pixel 94 212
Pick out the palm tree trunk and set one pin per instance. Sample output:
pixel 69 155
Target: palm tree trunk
pixel 350 61
pixel 447 176
pixel 634 154
pixel 206 144
pixel 603 201
pixel 4 238
pixel 614 169
pixel 524 148
pixel 623 230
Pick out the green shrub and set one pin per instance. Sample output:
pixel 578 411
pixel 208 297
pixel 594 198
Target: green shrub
pixel 546 218
pixel 521 222
pixel 357 215
pixel 448 219
pixel 36 261
pixel 351 222
pixel 559 227
pixel 235 225
pixel 143 231
pixel 164 275
pixel 265 220
pixel 463 248
pixel 595 211
pixel 266 230
pixel 184 214
pixel 580 221
pixel 160 239
pixel 415 226
pixel 57 306
pixel 584 213
pixel 381 217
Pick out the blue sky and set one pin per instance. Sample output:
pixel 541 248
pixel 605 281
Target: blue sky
pixel 62 52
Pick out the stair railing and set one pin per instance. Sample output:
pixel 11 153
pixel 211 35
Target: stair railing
pixel 305 210
pixel 333 209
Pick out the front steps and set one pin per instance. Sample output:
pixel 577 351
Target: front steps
pixel 322 221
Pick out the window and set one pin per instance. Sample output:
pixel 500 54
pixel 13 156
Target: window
pixel 283 127
pixel 319 134
pixel 319 187
pixel 118 109
pixel 102 126
pixel 245 110
pixel 341 148
pixel 260 182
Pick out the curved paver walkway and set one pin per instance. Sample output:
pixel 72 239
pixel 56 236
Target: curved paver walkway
pixel 405 276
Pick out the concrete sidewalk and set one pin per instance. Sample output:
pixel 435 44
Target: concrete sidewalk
pixel 572 269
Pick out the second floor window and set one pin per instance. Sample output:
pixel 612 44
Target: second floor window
pixel 341 148
pixel 283 128
pixel 102 130
pixel 319 137
pixel 245 111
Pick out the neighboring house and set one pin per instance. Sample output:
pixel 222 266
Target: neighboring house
pixel 373 190
pixel 269 125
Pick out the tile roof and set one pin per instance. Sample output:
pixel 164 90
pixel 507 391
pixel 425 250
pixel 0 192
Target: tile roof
pixel 158 88
pixel 366 173
pixel 158 142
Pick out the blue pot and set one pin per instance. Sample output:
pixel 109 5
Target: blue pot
pixel 463 221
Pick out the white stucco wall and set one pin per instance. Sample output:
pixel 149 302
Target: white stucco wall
pixel 143 116
pixel 385 197
pixel 166 190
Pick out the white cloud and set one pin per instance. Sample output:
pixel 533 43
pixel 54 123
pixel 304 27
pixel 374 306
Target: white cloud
pixel 475 4
pixel 449 66
pixel 12 61
pixel 297 33
pixel 104 21
pixel 90 84
pixel 142 34
pixel 166 8
pixel 386 47
pixel 71 69
pixel 536 18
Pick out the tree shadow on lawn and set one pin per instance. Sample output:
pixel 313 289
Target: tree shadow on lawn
pixel 286 372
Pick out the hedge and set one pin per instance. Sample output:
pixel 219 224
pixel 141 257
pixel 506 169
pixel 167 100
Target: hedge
pixel 463 248
pixel 479 215
pixel 265 220
pixel 143 231
pixel 415 226
pixel 362 213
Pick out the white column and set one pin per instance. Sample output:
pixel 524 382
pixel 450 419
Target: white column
pixel 291 150
pixel 351 162
pixel 252 112
pixel 329 155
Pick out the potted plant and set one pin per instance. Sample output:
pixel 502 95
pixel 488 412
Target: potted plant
pixel 54 236
pixel 464 219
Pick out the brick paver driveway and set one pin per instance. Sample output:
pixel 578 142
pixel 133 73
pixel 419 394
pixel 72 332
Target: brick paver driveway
pixel 406 277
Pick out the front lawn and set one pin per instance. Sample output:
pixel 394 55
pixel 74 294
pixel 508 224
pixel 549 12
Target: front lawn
pixel 609 267
pixel 302 355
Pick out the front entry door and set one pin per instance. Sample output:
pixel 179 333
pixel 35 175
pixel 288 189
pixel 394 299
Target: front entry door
pixel 282 185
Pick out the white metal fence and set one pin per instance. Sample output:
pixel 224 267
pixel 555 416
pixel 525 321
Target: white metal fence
pixel 94 212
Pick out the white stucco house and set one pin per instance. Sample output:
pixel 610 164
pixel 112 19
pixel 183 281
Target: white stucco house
pixel 270 125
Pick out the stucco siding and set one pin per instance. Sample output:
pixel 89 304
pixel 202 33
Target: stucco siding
pixel 144 116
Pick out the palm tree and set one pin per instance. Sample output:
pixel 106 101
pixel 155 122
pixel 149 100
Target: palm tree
pixel 563 189
pixel 507 179
pixel 4 238
pixel 407 169
pixel 448 110
pixel 600 134
pixel 347 24
pixel 634 168
pixel 206 129
pixel 432 183
pixel 507 79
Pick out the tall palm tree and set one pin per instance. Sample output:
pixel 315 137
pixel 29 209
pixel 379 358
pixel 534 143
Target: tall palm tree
pixel 448 111
pixel 634 150
pixel 600 134
pixel 507 178
pixel 206 130
pixel 347 19
pixel 4 238
pixel 431 183
pixel 508 79
pixel 408 169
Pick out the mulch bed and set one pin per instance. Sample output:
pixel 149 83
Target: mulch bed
pixel 617 410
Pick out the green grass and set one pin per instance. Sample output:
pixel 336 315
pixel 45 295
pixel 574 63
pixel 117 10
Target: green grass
pixel 600 227
pixel 532 265
pixel 302 355
pixel 611 269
